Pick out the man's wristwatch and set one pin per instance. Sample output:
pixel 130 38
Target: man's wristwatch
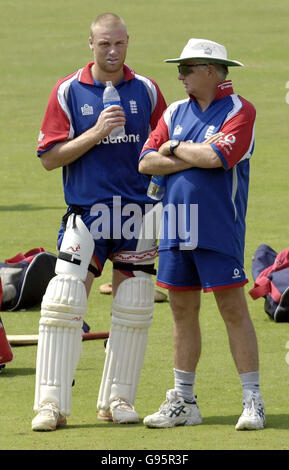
pixel 174 145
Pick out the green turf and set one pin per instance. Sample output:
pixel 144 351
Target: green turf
pixel 43 41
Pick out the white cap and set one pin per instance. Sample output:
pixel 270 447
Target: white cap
pixel 205 49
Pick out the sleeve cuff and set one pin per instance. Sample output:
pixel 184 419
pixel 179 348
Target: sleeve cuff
pixel 221 156
pixel 145 152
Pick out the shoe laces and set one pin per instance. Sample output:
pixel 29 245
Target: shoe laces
pixel 252 398
pixel 254 404
pixel 49 407
pixel 172 401
pixel 122 403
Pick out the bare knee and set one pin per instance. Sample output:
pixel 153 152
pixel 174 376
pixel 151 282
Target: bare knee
pixel 184 304
pixel 233 306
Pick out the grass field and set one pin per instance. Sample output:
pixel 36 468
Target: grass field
pixel 43 41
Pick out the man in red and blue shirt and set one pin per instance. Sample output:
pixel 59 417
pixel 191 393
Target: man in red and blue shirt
pixel 102 186
pixel 204 144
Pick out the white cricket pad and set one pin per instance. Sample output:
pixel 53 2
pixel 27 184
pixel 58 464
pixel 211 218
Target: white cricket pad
pixel 76 247
pixel 132 312
pixel 59 341
pixel 62 312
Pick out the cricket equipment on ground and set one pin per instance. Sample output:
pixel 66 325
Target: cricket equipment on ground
pixel 160 296
pixel 270 271
pixel 48 418
pixel 19 340
pixel 253 416
pixel 62 313
pixel 24 279
pixel 132 311
pixel 174 412
pixel 6 354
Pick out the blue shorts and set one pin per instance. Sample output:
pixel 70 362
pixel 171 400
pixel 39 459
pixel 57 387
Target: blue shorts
pixel 198 269
pixel 116 237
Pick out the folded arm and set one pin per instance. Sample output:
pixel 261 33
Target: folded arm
pixel 186 155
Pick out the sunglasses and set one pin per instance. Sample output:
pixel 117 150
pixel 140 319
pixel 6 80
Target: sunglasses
pixel 186 69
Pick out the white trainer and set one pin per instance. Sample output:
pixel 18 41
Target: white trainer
pixel 253 416
pixel 123 412
pixel 174 412
pixel 48 418
pixel 104 414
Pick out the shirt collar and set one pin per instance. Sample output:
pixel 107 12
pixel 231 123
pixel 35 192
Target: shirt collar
pixel 224 89
pixel 85 76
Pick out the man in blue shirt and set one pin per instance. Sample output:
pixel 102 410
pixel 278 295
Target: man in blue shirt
pixel 204 145
pixel 102 187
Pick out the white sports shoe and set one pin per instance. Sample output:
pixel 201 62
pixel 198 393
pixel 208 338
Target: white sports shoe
pixel 123 412
pixel 104 414
pixel 120 412
pixel 253 416
pixel 48 418
pixel 174 412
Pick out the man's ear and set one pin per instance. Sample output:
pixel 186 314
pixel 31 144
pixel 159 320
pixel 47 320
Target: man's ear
pixel 90 43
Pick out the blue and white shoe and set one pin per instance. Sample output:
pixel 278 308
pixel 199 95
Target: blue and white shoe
pixel 253 416
pixel 174 412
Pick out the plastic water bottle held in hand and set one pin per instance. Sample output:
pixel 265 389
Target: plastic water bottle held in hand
pixel 111 97
pixel 157 186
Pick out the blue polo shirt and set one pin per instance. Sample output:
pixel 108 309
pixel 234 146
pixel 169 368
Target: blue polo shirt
pixel 206 208
pixel 110 168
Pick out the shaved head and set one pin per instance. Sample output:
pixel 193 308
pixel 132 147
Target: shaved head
pixel 109 41
pixel 107 20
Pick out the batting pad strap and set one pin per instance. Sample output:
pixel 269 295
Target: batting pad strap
pixel 146 268
pixel 94 270
pixel 69 258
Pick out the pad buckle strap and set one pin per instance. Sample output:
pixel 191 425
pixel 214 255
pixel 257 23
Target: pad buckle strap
pixel 69 258
pixel 146 268
pixel 75 210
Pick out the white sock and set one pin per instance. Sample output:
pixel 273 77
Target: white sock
pixel 184 384
pixel 250 381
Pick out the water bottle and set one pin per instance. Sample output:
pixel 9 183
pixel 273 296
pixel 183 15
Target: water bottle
pixel 110 97
pixel 157 186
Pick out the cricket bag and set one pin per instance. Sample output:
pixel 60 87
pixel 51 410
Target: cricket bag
pixel 6 354
pixel 270 271
pixel 24 278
